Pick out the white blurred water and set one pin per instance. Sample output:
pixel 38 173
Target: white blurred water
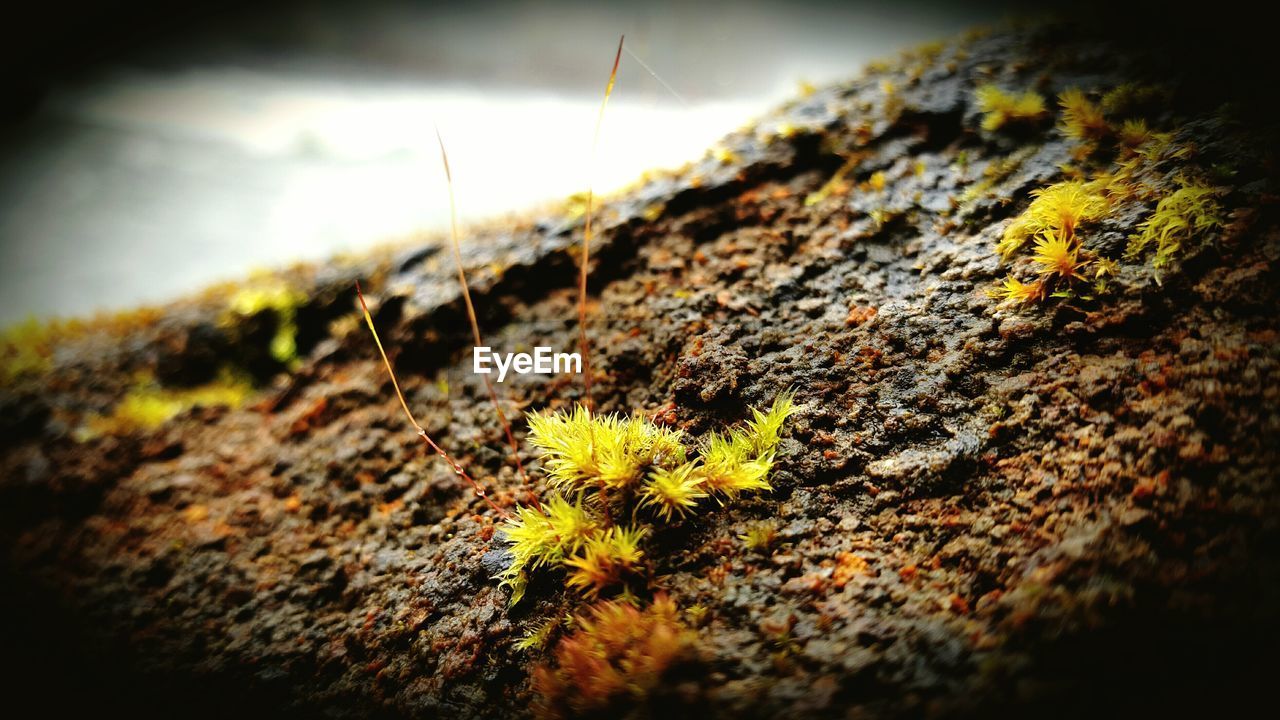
pixel 146 181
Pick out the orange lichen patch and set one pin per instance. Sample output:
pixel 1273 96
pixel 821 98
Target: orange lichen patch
pixel 848 566
pixel 859 314
pixel 310 417
pixel 618 657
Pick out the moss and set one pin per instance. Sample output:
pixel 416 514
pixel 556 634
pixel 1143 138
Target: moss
pixel 619 656
pixel 1181 215
pixel 607 559
pixel 1129 99
pixel 283 301
pixel 1058 209
pixel 614 480
pixel 760 536
pixel 1013 291
pixel 837 184
pixel 1133 134
pixel 539 635
pixel 1082 119
pixel 1058 257
pixel 1000 109
pixel 27 348
pixel 673 492
pixel 148 405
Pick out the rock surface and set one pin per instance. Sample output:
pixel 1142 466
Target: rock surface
pixel 979 507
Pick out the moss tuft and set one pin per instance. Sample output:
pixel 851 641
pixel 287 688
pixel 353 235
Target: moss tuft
pixel 1178 217
pixel 605 468
pixel 149 405
pixel 1000 108
pixel 1082 119
pixel 1058 209
pixel 616 659
pixel 276 297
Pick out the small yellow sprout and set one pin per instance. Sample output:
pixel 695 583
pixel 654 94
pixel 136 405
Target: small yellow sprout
pixel 1082 119
pixel 765 428
pixel 537 636
pixel 606 560
pixel 1104 267
pixel 544 536
pixel 1016 292
pixel 725 156
pixel 1000 108
pixel 1058 255
pixel 729 468
pixel 1133 134
pixel 760 536
pixel 673 493
pixel 1163 146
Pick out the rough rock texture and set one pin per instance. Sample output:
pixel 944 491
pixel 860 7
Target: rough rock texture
pixel 1057 508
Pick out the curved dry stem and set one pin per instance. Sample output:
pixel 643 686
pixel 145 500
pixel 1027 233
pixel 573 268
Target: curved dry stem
pixel 471 313
pixel 586 238
pixel 457 469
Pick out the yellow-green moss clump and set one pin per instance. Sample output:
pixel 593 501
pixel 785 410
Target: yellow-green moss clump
pixel 760 536
pixel 1053 218
pixel 27 348
pixel 148 405
pixel 282 300
pixel 1130 162
pixel 1191 209
pixel 1082 119
pixel 1058 210
pixel 1000 109
pixel 613 478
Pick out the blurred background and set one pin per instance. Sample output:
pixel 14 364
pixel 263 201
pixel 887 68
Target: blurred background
pixel 147 150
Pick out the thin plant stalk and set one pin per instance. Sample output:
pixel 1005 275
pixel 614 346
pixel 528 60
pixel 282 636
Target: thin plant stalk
pixel 586 238
pixel 457 469
pixel 471 314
